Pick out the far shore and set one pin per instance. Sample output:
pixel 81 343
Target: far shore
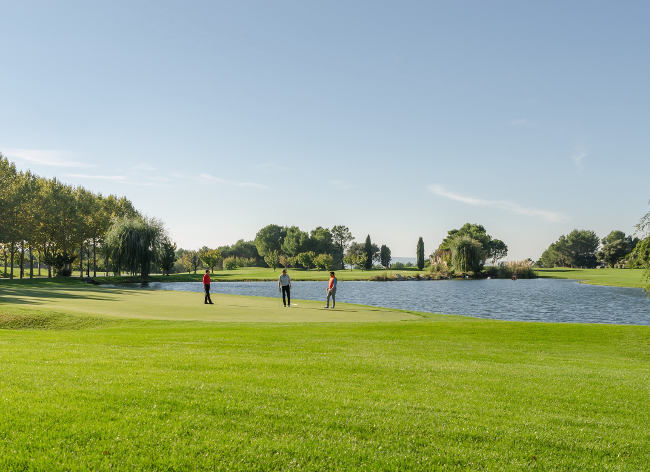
pixel 608 277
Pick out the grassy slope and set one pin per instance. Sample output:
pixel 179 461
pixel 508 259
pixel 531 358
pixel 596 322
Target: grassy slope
pixel 614 277
pixel 438 393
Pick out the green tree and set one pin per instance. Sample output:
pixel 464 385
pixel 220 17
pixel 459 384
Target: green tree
pixel 616 246
pixel 497 249
pixel 369 251
pixel 210 257
pixel 135 243
pixel 167 256
pixel 295 241
pixel 320 241
pixel 467 254
pixel 190 261
pixel 384 256
pixel 577 249
pixel 272 259
pixel 306 259
pixel 324 261
pixel 420 253
pixel 341 238
pixel 492 248
pixel 269 239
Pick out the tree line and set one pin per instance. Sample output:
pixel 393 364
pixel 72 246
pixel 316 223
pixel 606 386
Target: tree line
pixel 583 248
pixel 45 223
pixel 290 246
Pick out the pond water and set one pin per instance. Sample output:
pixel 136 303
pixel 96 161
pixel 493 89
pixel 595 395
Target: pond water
pixel 522 300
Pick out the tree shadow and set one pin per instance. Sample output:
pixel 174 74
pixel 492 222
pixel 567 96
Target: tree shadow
pixel 34 295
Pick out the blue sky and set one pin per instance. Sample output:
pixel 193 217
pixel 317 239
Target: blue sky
pixel 398 119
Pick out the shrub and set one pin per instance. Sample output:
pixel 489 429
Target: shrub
pixel 230 263
pixel 520 269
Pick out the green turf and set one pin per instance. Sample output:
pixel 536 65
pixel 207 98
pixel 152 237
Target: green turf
pixel 78 298
pixel 265 273
pixel 614 277
pixel 430 393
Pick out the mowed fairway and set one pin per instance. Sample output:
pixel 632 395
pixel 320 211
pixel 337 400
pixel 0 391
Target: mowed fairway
pixel 608 276
pixel 427 393
pixel 80 298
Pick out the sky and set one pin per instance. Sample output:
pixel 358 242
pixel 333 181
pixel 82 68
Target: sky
pixel 398 119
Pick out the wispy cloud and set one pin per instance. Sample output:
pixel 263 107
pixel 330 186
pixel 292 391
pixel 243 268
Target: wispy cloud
pixel 505 205
pixel 340 184
pixel 212 178
pixel 522 123
pixel 45 157
pixel 115 178
pixel 578 158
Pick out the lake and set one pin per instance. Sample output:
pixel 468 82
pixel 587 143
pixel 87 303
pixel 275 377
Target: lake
pixel 549 300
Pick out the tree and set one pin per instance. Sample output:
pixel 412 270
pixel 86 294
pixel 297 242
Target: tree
pixel 269 239
pixel 577 249
pixel 368 249
pixel 272 259
pixel 320 241
pixel 134 243
pixel 467 254
pixel 295 241
pixel 420 253
pixel 385 256
pixel 615 247
pixel 494 249
pixel 341 238
pixel 356 256
pixel 209 257
pixel 189 261
pixel 167 256
pixel 306 259
pixel 497 249
pixel 640 257
pixel 324 261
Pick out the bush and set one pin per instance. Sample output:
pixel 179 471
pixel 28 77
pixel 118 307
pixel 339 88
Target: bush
pixel 324 261
pixel 397 265
pixel 230 263
pixel 520 269
pixel 305 259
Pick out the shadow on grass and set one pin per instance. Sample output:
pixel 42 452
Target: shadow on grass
pixel 30 295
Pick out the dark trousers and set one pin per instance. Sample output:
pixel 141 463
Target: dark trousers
pixel 286 290
pixel 206 287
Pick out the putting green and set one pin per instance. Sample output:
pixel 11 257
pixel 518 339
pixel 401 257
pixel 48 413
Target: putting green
pixel 168 305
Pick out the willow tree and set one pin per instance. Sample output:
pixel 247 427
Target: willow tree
pixel 135 244
pixel 467 254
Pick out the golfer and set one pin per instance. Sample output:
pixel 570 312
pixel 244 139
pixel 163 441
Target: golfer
pixel 331 291
pixel 284 285
pixel 206 287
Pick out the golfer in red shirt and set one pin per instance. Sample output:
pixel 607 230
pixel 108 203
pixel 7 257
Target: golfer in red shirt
pixel 206 287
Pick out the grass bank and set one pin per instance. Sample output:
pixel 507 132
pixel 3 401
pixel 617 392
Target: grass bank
pixel 167 388
pixel 613 277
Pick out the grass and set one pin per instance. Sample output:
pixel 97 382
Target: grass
pixel 265 273
pixel 148 389
pixel 613 277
